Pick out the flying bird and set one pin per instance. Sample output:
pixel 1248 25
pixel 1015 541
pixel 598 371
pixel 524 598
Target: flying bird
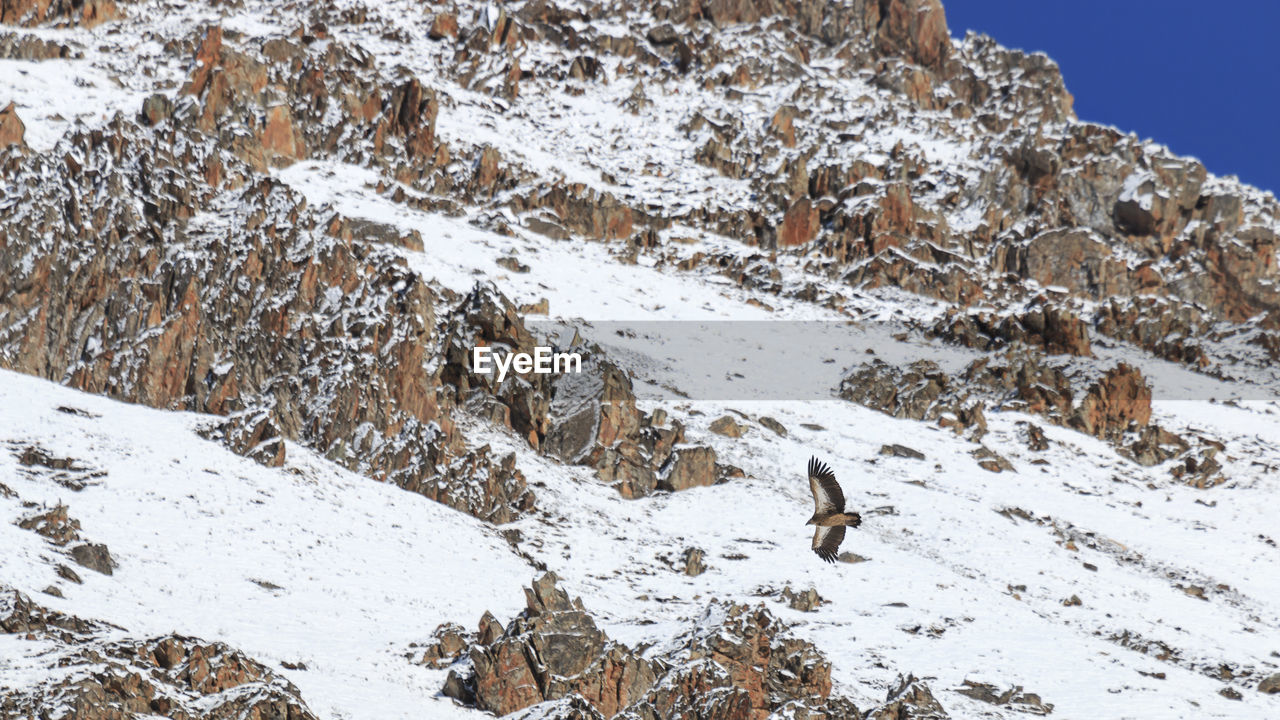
pixel 828 511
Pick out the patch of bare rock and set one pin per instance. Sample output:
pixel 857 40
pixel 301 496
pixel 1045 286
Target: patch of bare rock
pixel 1114 406
pixel 98 672
pixel 733 662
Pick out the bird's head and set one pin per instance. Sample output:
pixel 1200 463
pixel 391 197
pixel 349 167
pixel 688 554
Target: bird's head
pixel 810 520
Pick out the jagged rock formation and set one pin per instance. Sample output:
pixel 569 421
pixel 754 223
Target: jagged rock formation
pixel 97 673
pixel 61 12
pixel 734 662
pixel 1114 406
pixel 587 417
pixel 1060 212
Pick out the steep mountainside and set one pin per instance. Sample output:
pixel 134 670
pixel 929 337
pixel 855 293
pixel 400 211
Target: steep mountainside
pixel 249 470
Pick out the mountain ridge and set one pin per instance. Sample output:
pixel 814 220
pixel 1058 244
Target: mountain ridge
pixel 294 221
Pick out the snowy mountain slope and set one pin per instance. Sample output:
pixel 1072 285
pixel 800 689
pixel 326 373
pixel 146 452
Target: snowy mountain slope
pixel 735 202
pixel 364 569
pixel 304 564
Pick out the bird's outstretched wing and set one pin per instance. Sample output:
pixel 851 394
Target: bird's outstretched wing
pixel 826 542
pixel 827 497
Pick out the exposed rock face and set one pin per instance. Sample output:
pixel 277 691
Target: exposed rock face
pixel 446 644
pixel 252 433
pixel 1055 330
pixel 100 676
pixel 23 46
pixel 1115 406
pixel 727 426
pixel 1013 697
pixel 12 128
pixel 735 662
pixel 1043 201
pixel 910 700
pixel 53 524
pixel 694 561
pixel 595 422
pixel 554 649
pixel 584 418
pixel 806 601
pixel 75 12
pixel 485 318
pixel 94 556
pixel 919 392
pixel 330 347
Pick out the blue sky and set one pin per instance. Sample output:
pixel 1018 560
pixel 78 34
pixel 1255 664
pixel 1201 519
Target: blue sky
pixel 1202 78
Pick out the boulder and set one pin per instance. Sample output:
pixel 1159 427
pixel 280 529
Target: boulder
pixel 93 556
pixel 12 129
pixel 725 425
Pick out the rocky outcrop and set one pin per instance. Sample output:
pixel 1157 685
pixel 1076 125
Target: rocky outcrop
pixel 12 129
pixel 62 12
pixel 587 417
pixel 329 348
pixel 735 661
pixel 595 422
pixel 252 433
pixel 101 676
pixel 24 46
pixel 1114 406
pixel 54 524
pixel 910 699
pixel 1014 698
pixel 551 650
pixel 1038 203
pixel 1055 330
pixel 921 391
pixel 94 556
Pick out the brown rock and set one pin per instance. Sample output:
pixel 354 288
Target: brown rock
pixel 901 451
pixel 807 601
pixel 727 426
pixel 1013 698
pixel 278 137
pixel 921 391
pixel 773 425
pixel 572 656
pixel 446 645
pixel 991 461
pixel 916 29
pixel 253 433
pixel 12 128
pixel 692 467
pixel 54 525
pixel 783 127
pixel 156 108
pixel 909 700
pixel 94 556
pixel 694 564
pixel 513 264
pixel 799 224
pixel 1074 259
pixel 739 665
pixel 1120 398
pixel 99 674
pixel 35 12
pixel 444 26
